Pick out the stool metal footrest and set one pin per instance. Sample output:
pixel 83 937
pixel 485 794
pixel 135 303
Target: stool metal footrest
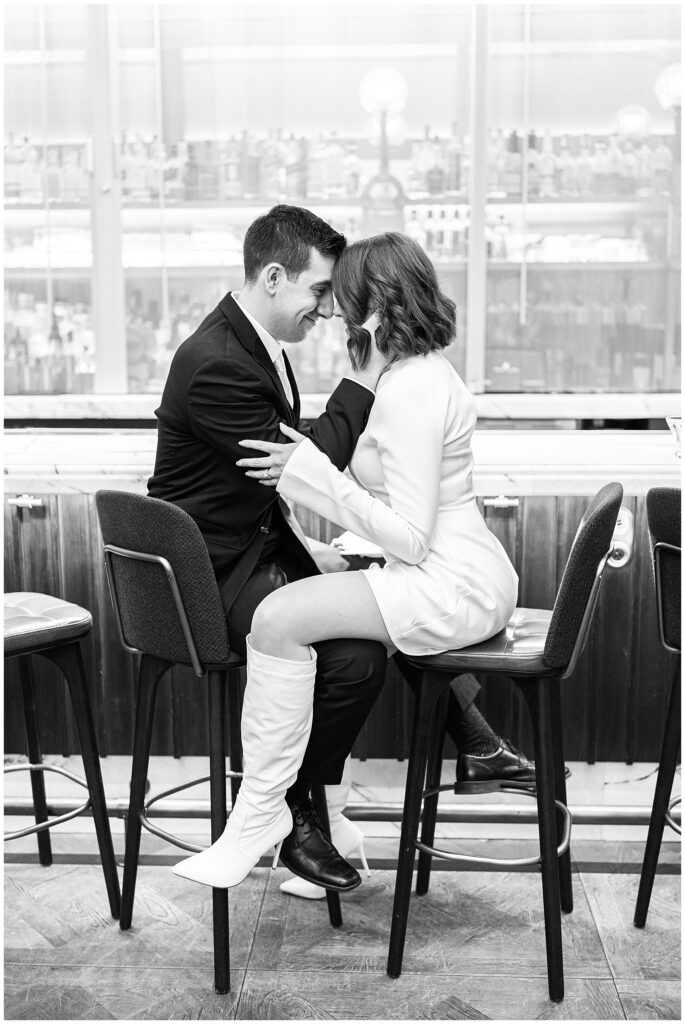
pixel 503 862
pixel 668 817
pixel 60 819
pixel 168 836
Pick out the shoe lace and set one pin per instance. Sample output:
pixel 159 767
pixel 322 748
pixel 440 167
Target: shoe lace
pixel 306 816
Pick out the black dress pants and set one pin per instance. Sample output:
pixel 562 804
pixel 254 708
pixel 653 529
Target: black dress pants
pixel 349 676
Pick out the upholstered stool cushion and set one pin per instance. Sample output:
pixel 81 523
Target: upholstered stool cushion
pixel 34 620
pixel 518 648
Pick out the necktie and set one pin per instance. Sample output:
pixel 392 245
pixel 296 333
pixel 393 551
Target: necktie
pixel 279 363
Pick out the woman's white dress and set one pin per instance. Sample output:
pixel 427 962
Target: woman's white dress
pixel 447 581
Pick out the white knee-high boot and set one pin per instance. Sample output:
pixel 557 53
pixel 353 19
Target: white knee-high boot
pixel 275 726
pixel 345 836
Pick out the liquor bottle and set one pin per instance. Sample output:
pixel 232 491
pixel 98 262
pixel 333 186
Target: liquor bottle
pixel 252 185
pixel 70 176
pixel 547 164
pixel 512 173
pixel 600 170
pixel 192 175
pixel 157 168
pixel 208 177
pixel 138 171
pixel 501 238
pixel 435 175
pixel 645 168
pixel 613 161
pixel 533 166
pixel 175 172
pixel 584 168
pixel 628 169
pixel 662 165
pixel 53 174
pixel 452 159
pixel 316 173
pixel 296 167
pixel 566 170
pixel 423 158
pixel 32 184
pixel 334 169
pixel 230 166
pixel 353 171
pixel 272 171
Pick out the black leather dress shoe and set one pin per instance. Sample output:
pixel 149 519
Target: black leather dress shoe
pixel 506 767
pixel 483 774
pixel 309 853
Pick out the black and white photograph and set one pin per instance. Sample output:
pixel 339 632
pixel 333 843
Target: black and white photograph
pixel 342 510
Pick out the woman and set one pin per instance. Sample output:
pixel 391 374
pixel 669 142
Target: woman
pixel 446 582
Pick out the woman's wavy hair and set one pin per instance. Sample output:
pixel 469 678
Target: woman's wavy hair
pixel 391 274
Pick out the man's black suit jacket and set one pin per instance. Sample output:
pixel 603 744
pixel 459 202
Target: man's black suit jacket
pixel 223 387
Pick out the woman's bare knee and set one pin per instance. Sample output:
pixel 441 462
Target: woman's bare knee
pixel 271 623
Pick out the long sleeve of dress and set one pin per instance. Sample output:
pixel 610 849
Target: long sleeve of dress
pixel 408 430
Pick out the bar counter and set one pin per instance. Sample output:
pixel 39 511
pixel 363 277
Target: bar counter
pixel 507 462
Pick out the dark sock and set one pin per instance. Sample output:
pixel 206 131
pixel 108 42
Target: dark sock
pixel 473 734
pixel 299 791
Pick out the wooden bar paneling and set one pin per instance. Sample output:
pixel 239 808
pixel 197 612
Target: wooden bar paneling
pixel 614 706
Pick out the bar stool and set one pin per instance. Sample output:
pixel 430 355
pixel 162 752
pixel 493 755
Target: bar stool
pixel 664 522
pixel 52 629
pixel 537 649
pixel 168 609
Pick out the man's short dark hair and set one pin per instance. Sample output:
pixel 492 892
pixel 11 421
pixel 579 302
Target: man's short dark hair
pixel 286 235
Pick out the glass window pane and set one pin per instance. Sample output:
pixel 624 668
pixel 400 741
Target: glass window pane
pixel 582 281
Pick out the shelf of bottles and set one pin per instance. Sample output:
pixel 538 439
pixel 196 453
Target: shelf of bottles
pixel 559 208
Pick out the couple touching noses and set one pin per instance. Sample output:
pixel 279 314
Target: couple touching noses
pixel 317 642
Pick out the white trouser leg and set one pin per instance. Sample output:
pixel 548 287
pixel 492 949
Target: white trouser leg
pixel 275 726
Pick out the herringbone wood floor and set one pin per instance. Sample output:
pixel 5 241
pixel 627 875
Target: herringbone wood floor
pixel 475 946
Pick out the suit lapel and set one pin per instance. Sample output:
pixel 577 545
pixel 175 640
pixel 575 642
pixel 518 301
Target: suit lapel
pixel 252 343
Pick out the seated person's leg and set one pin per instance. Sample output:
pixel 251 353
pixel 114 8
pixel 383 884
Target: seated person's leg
pixel 482 754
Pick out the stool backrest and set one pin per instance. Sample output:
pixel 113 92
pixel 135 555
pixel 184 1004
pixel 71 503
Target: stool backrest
pixel 664 521
pixel 579 585
pixel 161 580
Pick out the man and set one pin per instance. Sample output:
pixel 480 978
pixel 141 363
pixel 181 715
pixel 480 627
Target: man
pixel 229 381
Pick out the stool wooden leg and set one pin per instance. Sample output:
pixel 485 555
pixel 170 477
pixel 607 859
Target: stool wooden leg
pixel 332 898
pixel 235 747
pixel 151 671
pixel 40 807
pixel 565 881
pixel 664 784
pixel 70 660
pixel 430 688
pixel 430 803
pixel 538 697
pixel 217 776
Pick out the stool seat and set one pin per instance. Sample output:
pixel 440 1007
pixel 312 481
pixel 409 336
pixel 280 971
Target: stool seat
pixel 517 649
pixel 35 620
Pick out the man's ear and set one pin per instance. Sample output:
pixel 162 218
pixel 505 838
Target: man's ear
pixel 272 275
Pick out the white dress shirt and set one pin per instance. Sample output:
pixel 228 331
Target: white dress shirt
pixel 272 346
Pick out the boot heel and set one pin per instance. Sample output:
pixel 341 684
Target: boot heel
pixel 362 857
pixel 277 854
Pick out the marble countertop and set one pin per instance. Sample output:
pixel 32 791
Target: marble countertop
pixel 504 406
pixel 507 462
